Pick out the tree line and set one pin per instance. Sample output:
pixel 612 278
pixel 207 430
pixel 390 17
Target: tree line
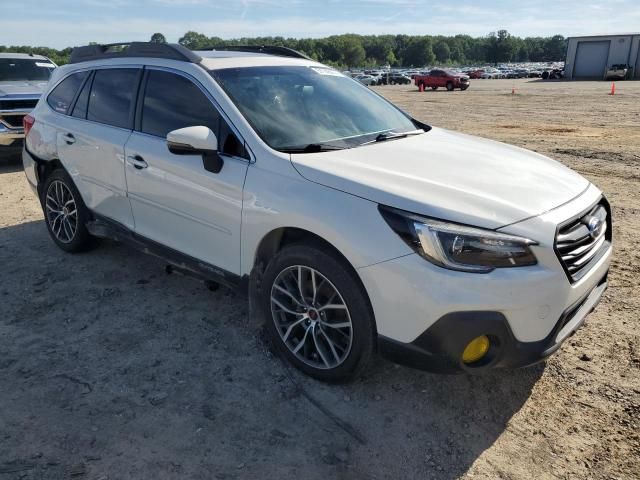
pixel 351 50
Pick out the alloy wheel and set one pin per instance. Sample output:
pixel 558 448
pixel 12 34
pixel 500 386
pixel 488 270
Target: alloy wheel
pixel 311 317
pixel 61 211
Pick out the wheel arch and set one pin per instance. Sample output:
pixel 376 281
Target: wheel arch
pixel 278 238
pixel 44 169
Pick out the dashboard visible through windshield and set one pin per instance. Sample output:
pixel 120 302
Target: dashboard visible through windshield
pixel 306 109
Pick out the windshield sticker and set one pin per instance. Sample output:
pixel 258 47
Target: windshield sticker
pixel 327 71
pixel 45 65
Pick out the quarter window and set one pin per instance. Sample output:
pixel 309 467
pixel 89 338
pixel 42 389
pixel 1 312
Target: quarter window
pixel 112 95
pixel 80 108
pixel 61 97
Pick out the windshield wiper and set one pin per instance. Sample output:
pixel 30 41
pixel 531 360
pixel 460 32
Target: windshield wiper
pixel 384 136
pixel 312 148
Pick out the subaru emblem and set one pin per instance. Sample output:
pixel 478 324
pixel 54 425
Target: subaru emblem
pixel 595 226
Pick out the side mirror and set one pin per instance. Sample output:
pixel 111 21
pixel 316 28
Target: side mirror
pixel 198 140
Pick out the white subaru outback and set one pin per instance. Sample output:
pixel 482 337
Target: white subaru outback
pixel 353 227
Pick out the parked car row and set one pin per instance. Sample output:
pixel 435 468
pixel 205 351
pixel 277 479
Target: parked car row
pixel 387 76
pixel 382 78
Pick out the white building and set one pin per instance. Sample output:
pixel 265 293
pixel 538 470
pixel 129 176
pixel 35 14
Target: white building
pixel 590 57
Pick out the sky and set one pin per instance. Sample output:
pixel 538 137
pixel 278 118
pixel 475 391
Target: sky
pixel 62 23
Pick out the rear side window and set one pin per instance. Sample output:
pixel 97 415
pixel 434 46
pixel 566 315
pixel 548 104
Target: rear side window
pixel 112 95
pixel 61 97
pixel 171 102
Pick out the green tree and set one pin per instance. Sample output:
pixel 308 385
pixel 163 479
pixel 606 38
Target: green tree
pixel 195 41
pixel 419 52
pixel 501 47
pixel 353 54
pixel 158 38
pixel 442 51
pixel 374 50
pixel 555 48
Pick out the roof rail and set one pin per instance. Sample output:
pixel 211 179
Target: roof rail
pixel 170 51
pixel 266 49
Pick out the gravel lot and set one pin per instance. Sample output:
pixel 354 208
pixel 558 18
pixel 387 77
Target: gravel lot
pixel 112 369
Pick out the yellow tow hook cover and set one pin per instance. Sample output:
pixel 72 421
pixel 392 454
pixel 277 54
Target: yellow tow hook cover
pixel 476 349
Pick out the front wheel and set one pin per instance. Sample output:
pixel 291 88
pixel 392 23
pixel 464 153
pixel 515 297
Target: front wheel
pixel 434 88
pixel 450 86
pixel 317 314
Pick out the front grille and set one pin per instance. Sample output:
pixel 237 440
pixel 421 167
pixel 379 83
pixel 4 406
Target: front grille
pixel 27 105
pixel 12 121
pixel 581 242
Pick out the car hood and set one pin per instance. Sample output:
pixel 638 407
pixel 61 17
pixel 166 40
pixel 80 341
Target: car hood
pixel 21 87
pixel 448 175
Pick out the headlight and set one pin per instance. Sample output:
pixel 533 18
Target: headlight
pixel 459 247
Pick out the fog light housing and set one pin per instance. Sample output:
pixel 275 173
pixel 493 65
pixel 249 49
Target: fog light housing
pixel 476 349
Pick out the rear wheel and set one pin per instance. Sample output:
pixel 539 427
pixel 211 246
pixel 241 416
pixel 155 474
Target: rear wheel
pixel 434 88
pixel 317 315
pixel 65 213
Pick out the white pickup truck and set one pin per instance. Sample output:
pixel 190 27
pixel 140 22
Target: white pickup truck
pixel 23 78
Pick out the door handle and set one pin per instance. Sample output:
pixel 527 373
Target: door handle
pixel 137 161
pixel 69 138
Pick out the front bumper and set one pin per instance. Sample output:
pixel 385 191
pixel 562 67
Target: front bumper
pixel 11 137
pixel 439 349
pixel 523 306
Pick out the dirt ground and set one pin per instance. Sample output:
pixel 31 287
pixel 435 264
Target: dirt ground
pixel 112 369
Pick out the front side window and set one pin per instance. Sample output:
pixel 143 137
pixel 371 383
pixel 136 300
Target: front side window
pixel 61 97
pixel 112 94
pixel 291 107
pixel 171 102
pixel 34 70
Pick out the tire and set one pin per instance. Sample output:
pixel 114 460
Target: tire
pixel 450 86
pixel 65 213
pixel 464 88
pixel 298 327
pixel 434 88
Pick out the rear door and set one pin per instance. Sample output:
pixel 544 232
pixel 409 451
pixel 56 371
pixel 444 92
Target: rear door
pixel 175 201
pixel 92 136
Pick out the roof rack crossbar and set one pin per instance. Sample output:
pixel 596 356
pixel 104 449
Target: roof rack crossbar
pixel 169 51
pixel 266 49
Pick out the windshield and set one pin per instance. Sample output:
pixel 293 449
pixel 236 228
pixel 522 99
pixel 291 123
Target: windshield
pixel 12 69
pixel 293 107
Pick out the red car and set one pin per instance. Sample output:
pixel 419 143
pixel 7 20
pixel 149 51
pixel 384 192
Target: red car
pixel 476 74
pixel 442 78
